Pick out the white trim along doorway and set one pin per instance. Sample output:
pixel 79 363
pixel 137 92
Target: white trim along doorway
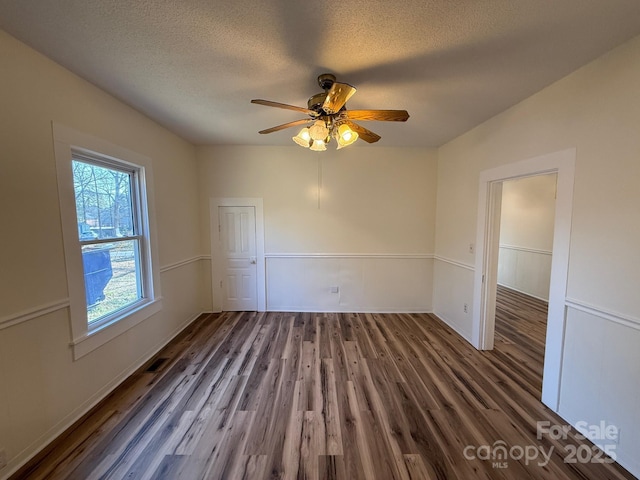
pixel 487 238
pixel 217 260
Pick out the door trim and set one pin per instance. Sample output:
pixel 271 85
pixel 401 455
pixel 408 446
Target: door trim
pixel 485 277
pixel 216 254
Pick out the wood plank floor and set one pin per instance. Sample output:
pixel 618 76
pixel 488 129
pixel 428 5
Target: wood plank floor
pixel 521 324
pixel 321 396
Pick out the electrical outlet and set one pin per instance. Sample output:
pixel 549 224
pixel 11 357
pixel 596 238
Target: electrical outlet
pixel 3 458
pixel 466 308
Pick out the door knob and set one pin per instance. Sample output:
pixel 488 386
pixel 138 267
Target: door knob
pixel 253 260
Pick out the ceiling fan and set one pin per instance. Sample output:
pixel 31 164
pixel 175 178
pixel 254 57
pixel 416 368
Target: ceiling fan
pixel 329 117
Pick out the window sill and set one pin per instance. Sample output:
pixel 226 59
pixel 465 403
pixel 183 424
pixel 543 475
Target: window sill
pixel 105 333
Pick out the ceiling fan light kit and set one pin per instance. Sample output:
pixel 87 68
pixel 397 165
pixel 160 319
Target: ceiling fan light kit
pixel 345 136
pixel 329 117
pixel 303 138
pixel 318 146
pixel 319 130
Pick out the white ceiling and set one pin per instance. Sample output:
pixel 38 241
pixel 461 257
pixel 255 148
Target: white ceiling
pixel 194 65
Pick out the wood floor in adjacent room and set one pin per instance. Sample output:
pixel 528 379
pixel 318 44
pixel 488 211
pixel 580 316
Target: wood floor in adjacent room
pixel 326 396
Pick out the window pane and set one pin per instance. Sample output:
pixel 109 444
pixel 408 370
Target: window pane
pixel 103 201
pixel 111 277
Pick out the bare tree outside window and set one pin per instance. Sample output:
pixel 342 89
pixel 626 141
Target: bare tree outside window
pixel 110 238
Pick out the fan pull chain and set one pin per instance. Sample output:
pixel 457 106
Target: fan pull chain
pixel 319 180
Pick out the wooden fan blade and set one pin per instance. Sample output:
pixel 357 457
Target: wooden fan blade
pixel 381 115
pixel 366 135
pixel 286 125
pixel 268 103
pixel 337 96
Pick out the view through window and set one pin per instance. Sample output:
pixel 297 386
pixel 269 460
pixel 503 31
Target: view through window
pixel 109 230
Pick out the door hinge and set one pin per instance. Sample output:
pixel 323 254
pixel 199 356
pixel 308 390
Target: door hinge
pixel 220 283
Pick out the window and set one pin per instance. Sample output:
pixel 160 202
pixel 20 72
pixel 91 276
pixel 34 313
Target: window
pixel 109 230
pixel 108 237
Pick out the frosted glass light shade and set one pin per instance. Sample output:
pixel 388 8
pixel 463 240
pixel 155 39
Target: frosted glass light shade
pixel 303 138
pixel 318 146
pixel 318 131
pixel 345 136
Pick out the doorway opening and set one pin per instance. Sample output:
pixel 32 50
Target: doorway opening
pixel 527 214
pixel 487 252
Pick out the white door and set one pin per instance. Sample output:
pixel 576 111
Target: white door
pixel 238 247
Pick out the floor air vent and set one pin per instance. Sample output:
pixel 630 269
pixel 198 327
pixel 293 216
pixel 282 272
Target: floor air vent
pixel 156 364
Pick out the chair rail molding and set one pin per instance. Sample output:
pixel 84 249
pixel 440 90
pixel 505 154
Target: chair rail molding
pixel 34 312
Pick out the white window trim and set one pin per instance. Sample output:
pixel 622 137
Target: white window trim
pixel 68 141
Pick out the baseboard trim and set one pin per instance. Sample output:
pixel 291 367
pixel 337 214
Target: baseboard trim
pixel 453 326
pixel 59 428
pixel 347 310
pixel 545 300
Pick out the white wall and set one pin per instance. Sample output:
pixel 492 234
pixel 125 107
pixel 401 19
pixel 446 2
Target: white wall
pixel 596 110
pixel 42 390
pixel 361 219
pixel 526 234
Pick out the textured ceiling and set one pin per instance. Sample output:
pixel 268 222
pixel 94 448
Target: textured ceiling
pixel 194 65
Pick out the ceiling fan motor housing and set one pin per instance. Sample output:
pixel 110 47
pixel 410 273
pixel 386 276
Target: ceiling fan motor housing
pixel 326 80
pixel 315 102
